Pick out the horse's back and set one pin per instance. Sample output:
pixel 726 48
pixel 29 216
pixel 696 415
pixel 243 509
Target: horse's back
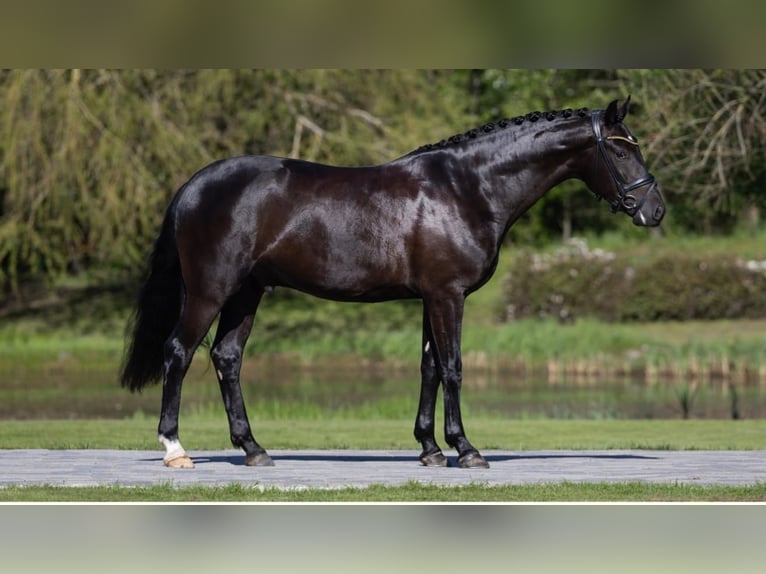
pixel 260 174
pixel 353 233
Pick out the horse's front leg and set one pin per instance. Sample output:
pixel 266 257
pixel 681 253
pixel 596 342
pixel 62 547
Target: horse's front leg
pixel 445 314
pixel 429 386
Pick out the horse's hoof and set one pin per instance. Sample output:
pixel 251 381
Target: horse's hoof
pixel 472 460
pixel 434 459
pixel 180 461
pixel 260 459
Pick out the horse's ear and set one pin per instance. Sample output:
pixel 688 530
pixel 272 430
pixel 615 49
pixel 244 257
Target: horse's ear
pixel 615 114
pixel 624 111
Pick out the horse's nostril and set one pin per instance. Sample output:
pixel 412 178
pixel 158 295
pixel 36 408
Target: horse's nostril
pixel 659 213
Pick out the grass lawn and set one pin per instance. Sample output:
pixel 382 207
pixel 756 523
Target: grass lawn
pixel 413 492
pixel 205 432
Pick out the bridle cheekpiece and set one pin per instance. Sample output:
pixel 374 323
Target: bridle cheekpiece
pixel 625 200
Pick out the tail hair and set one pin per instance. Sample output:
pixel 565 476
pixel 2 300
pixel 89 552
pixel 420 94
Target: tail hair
pixel 156 313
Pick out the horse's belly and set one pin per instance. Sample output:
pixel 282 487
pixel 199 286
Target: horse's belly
pixel 332 279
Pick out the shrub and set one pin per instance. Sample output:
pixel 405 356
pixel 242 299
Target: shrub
pixel 575 281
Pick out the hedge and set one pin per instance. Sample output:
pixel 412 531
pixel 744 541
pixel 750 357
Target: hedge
pixel 575 281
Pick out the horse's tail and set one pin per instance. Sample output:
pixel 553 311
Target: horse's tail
pixel 157 311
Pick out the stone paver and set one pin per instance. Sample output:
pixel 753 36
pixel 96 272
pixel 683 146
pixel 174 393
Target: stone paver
pixel 339 468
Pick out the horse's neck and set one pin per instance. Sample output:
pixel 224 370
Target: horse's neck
pixel 519 168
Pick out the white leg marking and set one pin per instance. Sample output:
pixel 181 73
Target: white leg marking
pixel 173 448
pixel 428 346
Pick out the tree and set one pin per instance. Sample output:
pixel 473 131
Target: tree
pixel 706 141
pixel 89 159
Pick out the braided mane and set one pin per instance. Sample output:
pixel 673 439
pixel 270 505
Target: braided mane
pixel 490 127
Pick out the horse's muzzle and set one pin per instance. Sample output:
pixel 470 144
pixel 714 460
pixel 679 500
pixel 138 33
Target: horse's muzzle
pixel 652 209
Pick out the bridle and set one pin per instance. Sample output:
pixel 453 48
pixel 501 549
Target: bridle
pixel 625 200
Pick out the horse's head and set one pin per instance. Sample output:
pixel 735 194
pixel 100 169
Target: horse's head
pixel 620 175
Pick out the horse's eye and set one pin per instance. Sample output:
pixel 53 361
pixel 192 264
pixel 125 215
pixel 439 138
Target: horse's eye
pixel 621 154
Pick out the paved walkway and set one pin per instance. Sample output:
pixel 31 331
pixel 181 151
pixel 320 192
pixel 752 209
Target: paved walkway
pixel 338 468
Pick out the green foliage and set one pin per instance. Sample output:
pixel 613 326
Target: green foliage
pixel 704 137
pixel 90 158
pixel 575 281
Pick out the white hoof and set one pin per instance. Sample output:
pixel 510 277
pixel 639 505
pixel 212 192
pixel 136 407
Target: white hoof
pixel 180 461
pixel 175 455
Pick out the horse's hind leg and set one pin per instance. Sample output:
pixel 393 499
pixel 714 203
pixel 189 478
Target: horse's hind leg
pixel 233 329
pixel 196 316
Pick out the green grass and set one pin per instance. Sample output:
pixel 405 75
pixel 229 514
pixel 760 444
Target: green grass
pixel 205 433
pixel 412 492
pixel 528 344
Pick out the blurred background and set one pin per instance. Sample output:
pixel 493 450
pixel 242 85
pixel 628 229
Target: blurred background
pixel 582 300
pixel 91 158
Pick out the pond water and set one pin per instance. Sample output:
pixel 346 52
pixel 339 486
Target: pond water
pixel 69 390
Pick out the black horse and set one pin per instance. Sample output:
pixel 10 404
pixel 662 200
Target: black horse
pixel 427 225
